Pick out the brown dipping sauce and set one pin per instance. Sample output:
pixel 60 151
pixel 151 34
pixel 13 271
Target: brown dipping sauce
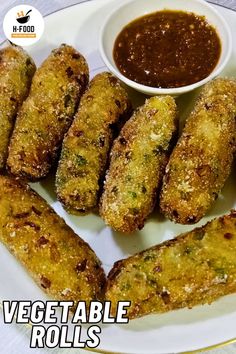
pixel 167 49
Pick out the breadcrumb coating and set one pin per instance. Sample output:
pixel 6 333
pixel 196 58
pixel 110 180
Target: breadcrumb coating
pixel 194 268
pixel 60 262
pixel 202 159
pixel 47 113
pixel 16 71
pixel 138 159
pixel 86 146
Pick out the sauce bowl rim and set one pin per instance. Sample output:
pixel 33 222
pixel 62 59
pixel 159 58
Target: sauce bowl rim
pixel 175 90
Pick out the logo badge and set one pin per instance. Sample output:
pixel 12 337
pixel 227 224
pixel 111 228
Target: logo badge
pixel 23 25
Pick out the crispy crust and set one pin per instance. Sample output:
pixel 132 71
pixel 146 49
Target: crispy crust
pixel 138 159
pixel 194 268
pixel 202 159
pixel 16 71
pixel 86 146
pixel 47 113
pixel 60 262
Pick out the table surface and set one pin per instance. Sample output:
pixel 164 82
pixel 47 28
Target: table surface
pixel 15 338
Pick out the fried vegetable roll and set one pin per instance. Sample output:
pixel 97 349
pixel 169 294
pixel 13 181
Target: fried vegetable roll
pixel 47 113
pixel 202 160
pixel 86 146
pixel 194 268
pixel 61 263
pixel 138 159
pixel 16 72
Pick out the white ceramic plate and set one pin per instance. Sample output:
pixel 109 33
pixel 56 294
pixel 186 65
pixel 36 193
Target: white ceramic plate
pixel 177 331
